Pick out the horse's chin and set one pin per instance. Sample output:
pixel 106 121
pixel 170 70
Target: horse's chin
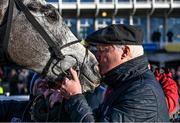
pixel 88 84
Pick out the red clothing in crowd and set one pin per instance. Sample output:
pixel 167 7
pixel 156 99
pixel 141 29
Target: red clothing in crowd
pixel 169 87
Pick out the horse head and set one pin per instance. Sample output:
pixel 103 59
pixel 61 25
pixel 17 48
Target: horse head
pixel 29 49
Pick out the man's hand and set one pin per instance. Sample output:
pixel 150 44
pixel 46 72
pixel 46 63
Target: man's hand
pixel 71 87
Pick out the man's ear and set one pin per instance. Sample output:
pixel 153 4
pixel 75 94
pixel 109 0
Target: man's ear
pixel 126 52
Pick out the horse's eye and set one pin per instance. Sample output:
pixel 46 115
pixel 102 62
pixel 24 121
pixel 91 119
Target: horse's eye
pixel 43 9
pixel 52 15
pixel 34 6
pixel 46 8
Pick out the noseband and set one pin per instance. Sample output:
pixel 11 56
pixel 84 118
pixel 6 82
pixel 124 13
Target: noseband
pixel 55 52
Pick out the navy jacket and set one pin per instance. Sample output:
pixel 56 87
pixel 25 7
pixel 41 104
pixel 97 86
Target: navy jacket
pixel 136 96
pixel 14 111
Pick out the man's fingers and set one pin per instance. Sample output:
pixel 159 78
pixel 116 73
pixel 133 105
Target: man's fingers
pixel 74 75
pixel 65 80
pixel 64 93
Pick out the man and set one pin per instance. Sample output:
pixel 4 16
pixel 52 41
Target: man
pixel 135 94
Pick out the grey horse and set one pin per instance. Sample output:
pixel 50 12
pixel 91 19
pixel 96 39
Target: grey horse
pixel 27 47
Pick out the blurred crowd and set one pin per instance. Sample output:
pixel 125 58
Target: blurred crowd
pixel 15 81
pixel 176 76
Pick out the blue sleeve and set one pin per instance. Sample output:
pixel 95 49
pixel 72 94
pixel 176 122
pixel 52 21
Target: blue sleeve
pixel 34 78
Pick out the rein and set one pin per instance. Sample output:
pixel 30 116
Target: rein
pixel 5 29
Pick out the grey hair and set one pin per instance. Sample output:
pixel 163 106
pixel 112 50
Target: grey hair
pixel 135 50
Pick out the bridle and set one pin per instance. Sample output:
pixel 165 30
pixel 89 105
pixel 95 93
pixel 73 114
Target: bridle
pixel 55 52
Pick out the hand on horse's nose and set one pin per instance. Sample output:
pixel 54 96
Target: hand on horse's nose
pixel 72 86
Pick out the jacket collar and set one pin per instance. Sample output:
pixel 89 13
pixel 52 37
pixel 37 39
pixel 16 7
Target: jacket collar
pixel 125 71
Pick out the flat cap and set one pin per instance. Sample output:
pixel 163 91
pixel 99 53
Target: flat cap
pixel 116 34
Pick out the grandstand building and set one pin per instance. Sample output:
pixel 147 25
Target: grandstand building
pixel 159 20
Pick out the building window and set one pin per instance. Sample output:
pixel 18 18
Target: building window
pixel 71 23
pixel 86 1
pixel 141 22
pixel 124 0
pixel 103 22
pixel 69 1
pixel 86 27
pixel 105 1
pixel 173 30
pixel 122 20
pixel 161 1
pixel 157 30
pixel 143 0
pixel 52 0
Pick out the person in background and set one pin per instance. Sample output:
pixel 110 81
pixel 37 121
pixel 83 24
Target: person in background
pixel 1 88
pixel 23 80
pixel 1 81
pixel 170 36
pixel 177 78
pixel 13 82
pixel 169 86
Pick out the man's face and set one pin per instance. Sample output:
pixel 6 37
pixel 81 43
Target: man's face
pixel 108 57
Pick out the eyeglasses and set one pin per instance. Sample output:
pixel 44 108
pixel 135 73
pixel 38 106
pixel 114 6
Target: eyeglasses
pixel 98 48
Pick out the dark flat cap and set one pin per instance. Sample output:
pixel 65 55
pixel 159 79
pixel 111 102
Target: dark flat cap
pixel 116 34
